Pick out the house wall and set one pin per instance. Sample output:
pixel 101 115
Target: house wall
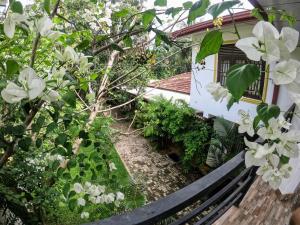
pixel 201 99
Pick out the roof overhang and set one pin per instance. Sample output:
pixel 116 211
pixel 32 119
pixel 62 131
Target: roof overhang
pixel 227 20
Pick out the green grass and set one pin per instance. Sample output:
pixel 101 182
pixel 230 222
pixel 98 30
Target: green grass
pixel 119 180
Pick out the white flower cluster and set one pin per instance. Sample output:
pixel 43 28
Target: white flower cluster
pixel 96 195
pixel 277 144
pixel 70 55
pixel 275 48
pixel 43 25
pixel 32 87
pixel 218 92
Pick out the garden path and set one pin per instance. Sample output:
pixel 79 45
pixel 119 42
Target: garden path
pixel 157 173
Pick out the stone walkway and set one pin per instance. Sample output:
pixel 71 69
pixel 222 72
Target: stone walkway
pixel 158 174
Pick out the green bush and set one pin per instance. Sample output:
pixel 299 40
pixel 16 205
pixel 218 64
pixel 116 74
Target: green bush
pixel 167 122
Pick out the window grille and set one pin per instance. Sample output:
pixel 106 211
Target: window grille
pixel 230 55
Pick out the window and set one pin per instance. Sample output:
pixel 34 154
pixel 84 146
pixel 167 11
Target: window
pixel 230 55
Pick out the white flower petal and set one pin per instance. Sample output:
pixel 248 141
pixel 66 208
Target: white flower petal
pixel 286 71
pixel 78 188
pixel 9 26
pixel 13 93
pixel 50 96
pixel 272 51
pixel 265 31
pixel 250 46
pixel 290 38
pixel 44 25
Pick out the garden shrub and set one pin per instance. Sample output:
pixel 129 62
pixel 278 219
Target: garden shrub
pixel 175 122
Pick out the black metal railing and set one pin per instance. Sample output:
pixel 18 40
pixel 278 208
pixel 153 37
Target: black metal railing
pixel 217 191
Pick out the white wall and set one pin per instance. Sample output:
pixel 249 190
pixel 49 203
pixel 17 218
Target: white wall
pixel 201 99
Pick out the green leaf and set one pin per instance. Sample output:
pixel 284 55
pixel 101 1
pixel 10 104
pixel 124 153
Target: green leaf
pixel 72 204
pixel 210 45
pixel 25 143
pixel 51 127
pixel 173 11
pixel 187 5
pixel 122 13
pixel 216 9
pixel 116 47
pixel 266 112
pixel 230 103
pixel 47 6
pixel 162 36
pixel 148 17
pixel 160 2
pixel 240 77
pixel 38 142
pixel 12 67
pixel 198 9
pixel 61 139
pixel 127 41
pixel 36 127
pixel 70 98
pixel 256 121
pixel 17 7
pixel 83 45
pixel 66 189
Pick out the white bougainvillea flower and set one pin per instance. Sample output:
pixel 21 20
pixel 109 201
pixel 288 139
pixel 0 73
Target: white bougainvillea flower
pixel 265 30
pixel 109 198
pixel 50 96
pixel 33 84
pixel 84 64
pixel 78 188
pixel 264 150
pixel 119 196
pixel 246 123
pixel 264 45
pixel 251 158
pixel 13 93
pixel 288 144
pixel 53 35
pixel 251 47
pixel 10 23
pixel 81 202
pixel 87 185
pixel 268 44
pixel 70 54
pixel 217 91
pixel 84 215
pixel 289 37
pixel 44 25
pixel 93 190
pixel 112 166
pixel 272 132
pixel 286 72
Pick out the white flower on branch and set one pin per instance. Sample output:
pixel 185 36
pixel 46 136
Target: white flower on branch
pixel 81 202
pixel 78 188
pixel 50 96
pixel 288 144
pixel 272 132
pixel 268 44
pixel 217 91
pixel 33 87
pixel 119 196
pixel 112 166
pixel 84 215
pixel 33 84
pixel 246 123
pixel 13 93
pixel 286 72
pixel 44 25
pixel 10 23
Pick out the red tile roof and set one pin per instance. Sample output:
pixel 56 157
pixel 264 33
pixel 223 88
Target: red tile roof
pixel 238 17
pixel 179 83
